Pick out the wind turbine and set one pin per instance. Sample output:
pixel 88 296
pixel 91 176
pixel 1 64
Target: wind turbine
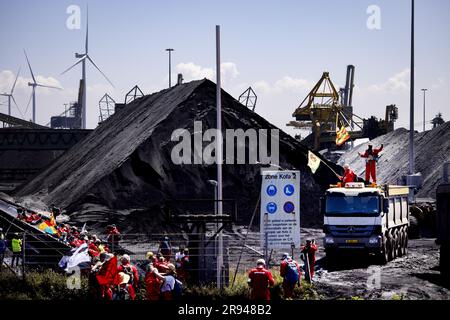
pixel 10 95
pixel 33 85
pixel 82 59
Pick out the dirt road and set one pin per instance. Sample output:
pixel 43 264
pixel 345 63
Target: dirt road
pixel 415 276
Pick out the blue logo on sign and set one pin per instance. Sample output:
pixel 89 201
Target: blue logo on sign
pixel 271 190
pixel 271 207
pixel 288 207
pixel 289 189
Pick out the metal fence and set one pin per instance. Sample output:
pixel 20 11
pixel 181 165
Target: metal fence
pixel 240 250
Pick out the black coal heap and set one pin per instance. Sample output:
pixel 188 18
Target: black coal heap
pixel 122 172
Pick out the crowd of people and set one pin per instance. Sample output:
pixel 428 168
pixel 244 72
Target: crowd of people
pixel 116 278
pixel 112 276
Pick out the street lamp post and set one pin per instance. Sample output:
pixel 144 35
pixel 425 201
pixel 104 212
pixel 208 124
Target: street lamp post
pixel 424 91
pixel 170 66
pixel 411 98
pixel 218 264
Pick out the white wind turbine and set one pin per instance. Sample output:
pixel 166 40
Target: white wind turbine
pixel 33 85
pixel 82 59
pixel 10 95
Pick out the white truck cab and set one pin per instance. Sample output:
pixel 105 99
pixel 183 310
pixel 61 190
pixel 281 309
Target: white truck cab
pixel 370 218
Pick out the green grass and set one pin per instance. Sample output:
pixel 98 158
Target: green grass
pixel 50 285
pixel 45 285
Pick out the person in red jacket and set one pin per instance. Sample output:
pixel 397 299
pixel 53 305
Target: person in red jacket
pixel 127 268
pixel 310 250
pixel 349 175
pixel 371 156
pixel 153 279
pixel 113 237
pixel 290 272
pixel 259 280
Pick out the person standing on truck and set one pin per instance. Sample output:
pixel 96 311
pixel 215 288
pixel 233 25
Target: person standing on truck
pixel 16 246
pixel 290 272
pixel 371 156
pixel 349 175
pixel 310 250
pixel 260 280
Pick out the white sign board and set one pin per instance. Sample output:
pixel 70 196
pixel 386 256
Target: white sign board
pixel 280 209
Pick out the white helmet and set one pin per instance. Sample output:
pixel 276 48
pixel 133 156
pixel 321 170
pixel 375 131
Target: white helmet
pixel 261 261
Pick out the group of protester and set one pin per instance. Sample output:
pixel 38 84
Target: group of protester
pixel 261 279
pixel 116 278
pixel 372 156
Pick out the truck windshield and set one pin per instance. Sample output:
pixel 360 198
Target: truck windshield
pixel 352 205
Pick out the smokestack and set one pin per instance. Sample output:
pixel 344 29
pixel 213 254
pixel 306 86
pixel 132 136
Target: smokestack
pixel 180 79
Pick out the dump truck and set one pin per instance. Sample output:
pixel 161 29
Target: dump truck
pixel 373 219
pixel 443 225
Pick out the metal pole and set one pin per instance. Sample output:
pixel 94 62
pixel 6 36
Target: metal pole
pixel 23 256
pixel 219 151
pixel 83 102
pixel 266 240
pixel 9 105
pixel 170 66
pixel 424 91
pixel 34 104
pixel 411 111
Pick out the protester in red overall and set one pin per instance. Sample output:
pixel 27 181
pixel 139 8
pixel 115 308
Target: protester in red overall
pixel 93 249
pixel 162 265
pixel 259 280
pixel 371 156
pixel 349 175
pixel 310 249
pixel 129 269
pixel 290 272
pixel 183 266
pixel 153 279
pixel 113 237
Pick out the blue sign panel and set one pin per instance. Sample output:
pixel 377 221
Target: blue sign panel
pixel 289 189
pixel 289 207
pixel 271 207
pixel 271 190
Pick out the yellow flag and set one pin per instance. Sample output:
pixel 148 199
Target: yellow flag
pixel 341 136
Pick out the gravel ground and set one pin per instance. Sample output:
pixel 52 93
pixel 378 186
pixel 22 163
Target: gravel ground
pixel 414 277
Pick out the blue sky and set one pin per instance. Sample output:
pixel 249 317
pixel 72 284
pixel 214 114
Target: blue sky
pixel 280 48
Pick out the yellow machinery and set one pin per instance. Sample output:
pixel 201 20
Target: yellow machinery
pixel 322 111
pixel 325 111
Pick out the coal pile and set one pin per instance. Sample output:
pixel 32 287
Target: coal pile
pixel 432 150
pixel 123 173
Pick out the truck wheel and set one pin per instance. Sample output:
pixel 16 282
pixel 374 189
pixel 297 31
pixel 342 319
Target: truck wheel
pixel 383 256
pixel 331 258
pixel 404 242
pixel 405 248
pixel 444 263
pixel 395 242
pixel 400 243
pixel 414 231
pixel 390 246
